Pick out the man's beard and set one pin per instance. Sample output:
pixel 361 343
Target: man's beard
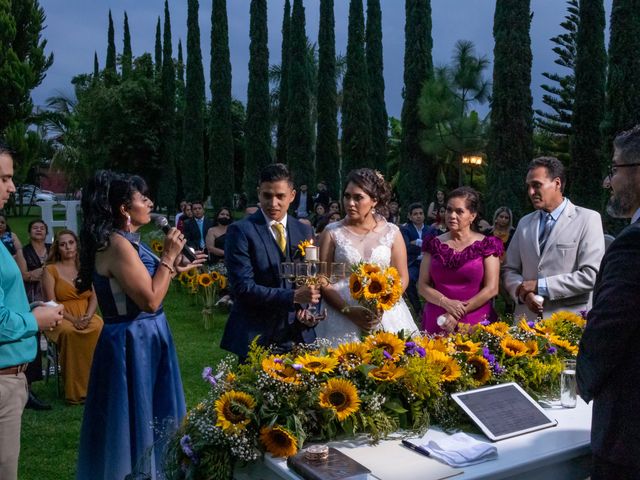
pixel 621 204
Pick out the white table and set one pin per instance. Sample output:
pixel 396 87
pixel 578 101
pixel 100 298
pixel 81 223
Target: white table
pixel 557 452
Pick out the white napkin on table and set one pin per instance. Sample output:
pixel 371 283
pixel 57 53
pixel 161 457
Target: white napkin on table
pixel 461 450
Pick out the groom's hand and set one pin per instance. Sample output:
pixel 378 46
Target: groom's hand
pixel 306 294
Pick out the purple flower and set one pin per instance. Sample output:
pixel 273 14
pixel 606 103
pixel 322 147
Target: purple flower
pixel 583 313
pixel 387 355
pixel 552 350
pixel 207 374
pixel 421 352
pixel 531 324
pixel 185 444
pixel 410 345
pixel 497 368
pixel 486 353
pixel 485 322
pixel 277 360
pixel 296 366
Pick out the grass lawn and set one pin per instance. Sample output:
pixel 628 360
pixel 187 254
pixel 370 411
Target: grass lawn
pixel 49 444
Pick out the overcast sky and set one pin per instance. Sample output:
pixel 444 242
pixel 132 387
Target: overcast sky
pixel 77 28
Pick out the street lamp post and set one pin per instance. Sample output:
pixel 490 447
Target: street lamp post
pixel 473 160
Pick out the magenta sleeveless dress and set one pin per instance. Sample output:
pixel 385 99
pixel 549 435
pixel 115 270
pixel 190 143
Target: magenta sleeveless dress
pixel 459 276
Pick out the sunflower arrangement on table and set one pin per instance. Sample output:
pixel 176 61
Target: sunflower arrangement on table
pixel 375 288
pixel 382 384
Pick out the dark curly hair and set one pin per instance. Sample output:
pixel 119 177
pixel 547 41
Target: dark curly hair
pixel 102 198
pixel 373 183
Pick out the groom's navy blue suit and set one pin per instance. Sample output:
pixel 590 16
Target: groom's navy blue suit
pixel 263 302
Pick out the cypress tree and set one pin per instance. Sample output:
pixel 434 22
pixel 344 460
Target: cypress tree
pixel 180 86
pixel 379 119
pixel 511 132
pixel 96 66
pixel 179 121
pixel 623 81
pixel 585 178
pixel 221 134
pixel 283 98
pixel 356 116
pixel 327 156
pixel 167 182
pixel 299 148
pixel 127 55
pixel 417 173
pixel 192 168
pixel 158 49
pixel 110 65
pixel 258 128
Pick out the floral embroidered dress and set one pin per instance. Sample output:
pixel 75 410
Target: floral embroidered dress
pixel 459 275
pixel 351 248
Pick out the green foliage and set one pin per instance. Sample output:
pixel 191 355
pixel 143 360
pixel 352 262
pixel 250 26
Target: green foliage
pixel 585 176
pixel 127 55
pixel 192 161
pixel 377 107
pixel 158 48
pixel 221 133
pixel 96 66
pixel 258 129
pixel 110 65
pixel 238 120
pixel 452 128
pixel 327 156
pixel 23 62
pixel 416 179
pixel 623 81
pixel 356 115
pixel 511 132
pixel 299 147
pixel 283 97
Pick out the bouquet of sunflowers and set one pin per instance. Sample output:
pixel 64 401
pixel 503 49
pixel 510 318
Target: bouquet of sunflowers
pixel 207 285
pixel 383 384
pixel 375 288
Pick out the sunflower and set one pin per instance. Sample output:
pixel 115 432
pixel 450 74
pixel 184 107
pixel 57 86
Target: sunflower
pixel 233 409
pixel 355 286
pixel 387 341
pixel 341 396
pixel 205 280
pixel 481 369
pixel 513 347
pixel 183 278
pixel 447 366
pixel 370 268
pixel 387 300
pixel 352 354
pixel 279 441
pixel 280 371
pixel 532 348
pixel 157 246
pixel 317 364
pixel 192 273
pixel 440 344
pixel 566 316
pixel 231 377
pixel 387 373
pixel 303 245
pixel 223 282
pixel 466 346
pixel 537 328
pixel 376 286
pixel 497 329
pixel 215 276
pixel 565 344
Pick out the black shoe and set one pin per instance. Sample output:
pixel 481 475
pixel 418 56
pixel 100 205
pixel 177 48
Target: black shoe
pixel 35 403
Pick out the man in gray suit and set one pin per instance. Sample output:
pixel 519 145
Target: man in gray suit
pixel 608 363
pixel 556 251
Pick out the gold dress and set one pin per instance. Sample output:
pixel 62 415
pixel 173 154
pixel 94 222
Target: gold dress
pixel 75 347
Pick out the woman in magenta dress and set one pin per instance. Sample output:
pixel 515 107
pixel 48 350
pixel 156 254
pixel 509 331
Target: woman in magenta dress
pixel 460 269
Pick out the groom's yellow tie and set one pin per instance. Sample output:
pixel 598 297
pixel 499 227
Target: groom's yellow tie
pixel 278 229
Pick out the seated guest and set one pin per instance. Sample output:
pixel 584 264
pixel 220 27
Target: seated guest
pixel 502 227
pixel 439 225
pixel 216 235
pixel 31 260
pixel 335 207
pixel 413 233
pixel 319 211
pixel 460 269
pixel 326 220
pixel 78 333
pixel 196 228
pixel 186 215
pixel 8 238
pixel 394 213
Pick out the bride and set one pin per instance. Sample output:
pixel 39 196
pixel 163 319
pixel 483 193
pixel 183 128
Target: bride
pixel 366 236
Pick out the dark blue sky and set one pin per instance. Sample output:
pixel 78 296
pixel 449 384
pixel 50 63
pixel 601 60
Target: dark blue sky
pixel 77 28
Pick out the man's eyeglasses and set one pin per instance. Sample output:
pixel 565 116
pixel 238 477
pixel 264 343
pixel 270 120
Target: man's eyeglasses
pixel 613 168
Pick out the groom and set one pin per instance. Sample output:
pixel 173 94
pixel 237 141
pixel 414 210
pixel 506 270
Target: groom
pixel 264 304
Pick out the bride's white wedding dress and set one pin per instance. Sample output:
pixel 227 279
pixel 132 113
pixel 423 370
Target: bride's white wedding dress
pixel 351 248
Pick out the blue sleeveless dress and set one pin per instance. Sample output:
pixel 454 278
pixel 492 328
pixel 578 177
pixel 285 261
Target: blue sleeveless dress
pixel 135 397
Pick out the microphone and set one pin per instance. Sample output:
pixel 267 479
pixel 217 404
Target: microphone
pixel 163 224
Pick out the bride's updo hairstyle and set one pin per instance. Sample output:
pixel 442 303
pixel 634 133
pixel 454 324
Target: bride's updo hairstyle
pixel 373 184
pixel 101 201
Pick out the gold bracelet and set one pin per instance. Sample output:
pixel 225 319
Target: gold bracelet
pixel 169 267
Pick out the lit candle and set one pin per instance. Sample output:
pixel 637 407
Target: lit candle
pixel 311 253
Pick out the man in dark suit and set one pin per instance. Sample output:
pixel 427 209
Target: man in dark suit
pixel 195 229
pixel 264 303
pixel 413 232
pixel 608 369
pixel 302 204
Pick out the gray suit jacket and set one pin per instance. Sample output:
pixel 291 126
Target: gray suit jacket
pixel 570 260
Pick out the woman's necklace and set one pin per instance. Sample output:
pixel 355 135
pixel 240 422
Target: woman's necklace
pixel 42 256
pixel 362 236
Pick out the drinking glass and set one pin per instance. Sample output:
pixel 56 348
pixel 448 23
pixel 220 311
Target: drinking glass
pixel 302 271
pixel 568 383
pixel 287 271
pixel 317 269
pixel 337 272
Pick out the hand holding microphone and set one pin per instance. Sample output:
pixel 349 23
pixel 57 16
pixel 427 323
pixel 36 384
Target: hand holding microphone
pixel 188 252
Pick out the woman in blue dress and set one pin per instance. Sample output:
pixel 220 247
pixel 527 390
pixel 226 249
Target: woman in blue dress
pixel 135 392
